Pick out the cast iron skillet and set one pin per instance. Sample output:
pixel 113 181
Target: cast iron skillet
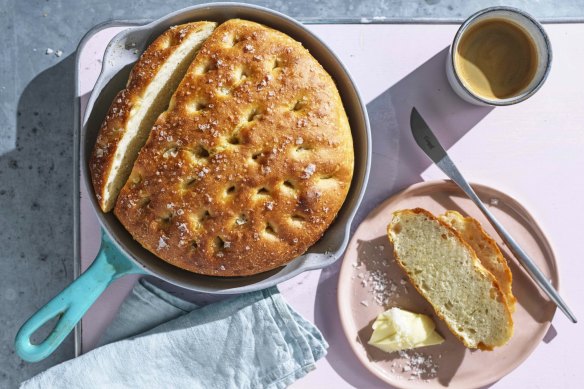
pixel 120 254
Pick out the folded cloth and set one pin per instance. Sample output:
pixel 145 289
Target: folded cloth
pixel 254 340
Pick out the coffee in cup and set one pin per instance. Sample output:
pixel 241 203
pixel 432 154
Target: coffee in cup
pixel 500 56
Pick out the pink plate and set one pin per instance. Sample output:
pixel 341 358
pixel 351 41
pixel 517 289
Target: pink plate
pixel 370 282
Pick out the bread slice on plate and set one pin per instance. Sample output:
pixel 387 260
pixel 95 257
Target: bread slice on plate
pixel 486 250
pixel 134 110
pixel 447 273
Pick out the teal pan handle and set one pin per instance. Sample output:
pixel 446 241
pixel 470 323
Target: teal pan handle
pixel 71 304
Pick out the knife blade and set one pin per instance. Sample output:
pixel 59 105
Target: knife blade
pixel 425 138
pixel 428 142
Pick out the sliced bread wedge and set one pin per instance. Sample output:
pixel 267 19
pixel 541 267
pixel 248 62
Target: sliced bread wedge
pixel 134 110
pixel 486 250
pixel 447 273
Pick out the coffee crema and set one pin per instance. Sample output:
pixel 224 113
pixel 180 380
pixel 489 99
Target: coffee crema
pixel 496 59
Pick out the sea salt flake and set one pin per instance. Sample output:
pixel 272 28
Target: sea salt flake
pixel 162 243
pixel 308 171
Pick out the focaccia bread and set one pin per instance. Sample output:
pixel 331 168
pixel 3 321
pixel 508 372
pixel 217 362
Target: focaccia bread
pixel 251 162
pixel 134 110
pixel 486 250
pixel 447 273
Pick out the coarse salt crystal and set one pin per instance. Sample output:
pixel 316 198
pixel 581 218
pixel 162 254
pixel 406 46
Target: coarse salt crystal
pixel 309 171
pixel 161 243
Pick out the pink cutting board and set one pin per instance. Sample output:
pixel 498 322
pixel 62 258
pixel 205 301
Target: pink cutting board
pixel 532 152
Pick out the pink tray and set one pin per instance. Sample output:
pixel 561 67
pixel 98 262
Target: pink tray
pixel 532 151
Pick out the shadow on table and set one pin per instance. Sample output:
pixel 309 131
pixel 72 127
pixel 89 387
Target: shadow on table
pixel 397 162
pixel 36 211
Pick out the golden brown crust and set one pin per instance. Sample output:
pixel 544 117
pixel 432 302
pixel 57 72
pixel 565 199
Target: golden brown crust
pixel 111 130
pixel 250 164
pixel 476 261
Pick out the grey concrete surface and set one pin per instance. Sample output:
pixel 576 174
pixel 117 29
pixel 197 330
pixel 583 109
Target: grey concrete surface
pixel 36 133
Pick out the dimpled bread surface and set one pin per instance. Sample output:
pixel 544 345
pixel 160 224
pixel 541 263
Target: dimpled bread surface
pixel 134 110
pixel 447 273
pixel 486 250
pixel 251 162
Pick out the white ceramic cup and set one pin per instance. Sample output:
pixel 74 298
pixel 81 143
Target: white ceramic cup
pixel 531 27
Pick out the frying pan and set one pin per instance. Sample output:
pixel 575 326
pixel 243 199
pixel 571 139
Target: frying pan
pixel 120 254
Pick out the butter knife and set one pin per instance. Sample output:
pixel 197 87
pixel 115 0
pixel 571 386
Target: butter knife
pixel 427 141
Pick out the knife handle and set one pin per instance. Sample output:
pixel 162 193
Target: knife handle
pixel 448 167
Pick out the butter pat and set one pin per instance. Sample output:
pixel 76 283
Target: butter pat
pixel 397 329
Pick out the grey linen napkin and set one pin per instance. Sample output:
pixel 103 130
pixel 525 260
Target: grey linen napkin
pixel 255 340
